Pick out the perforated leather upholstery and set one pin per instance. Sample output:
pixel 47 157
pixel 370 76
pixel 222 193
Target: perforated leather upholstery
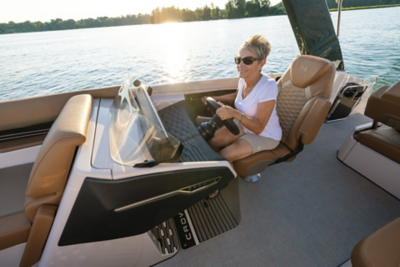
pixel 302 106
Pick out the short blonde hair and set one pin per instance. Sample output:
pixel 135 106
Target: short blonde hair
pixel 258 45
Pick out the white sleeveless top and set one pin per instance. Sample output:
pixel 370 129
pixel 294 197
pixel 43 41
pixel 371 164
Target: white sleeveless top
pixel 265 90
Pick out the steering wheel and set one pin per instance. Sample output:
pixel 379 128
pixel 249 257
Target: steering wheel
pixel 229 123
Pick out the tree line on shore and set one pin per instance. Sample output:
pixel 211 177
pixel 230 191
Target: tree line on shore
pixel 361 3
pixel 233 9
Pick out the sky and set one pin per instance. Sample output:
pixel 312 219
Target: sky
pixel 45 10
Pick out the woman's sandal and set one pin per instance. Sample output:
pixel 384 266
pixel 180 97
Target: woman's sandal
pixel 213 194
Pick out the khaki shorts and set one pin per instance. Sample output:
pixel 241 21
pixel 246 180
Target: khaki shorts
pixel 257 142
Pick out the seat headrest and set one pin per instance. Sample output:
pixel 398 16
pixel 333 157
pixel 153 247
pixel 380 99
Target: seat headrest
pixel 306 70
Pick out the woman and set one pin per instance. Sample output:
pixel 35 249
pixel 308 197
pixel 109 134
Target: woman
pixel 255 102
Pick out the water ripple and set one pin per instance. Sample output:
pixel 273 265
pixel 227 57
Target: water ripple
pixel 51 62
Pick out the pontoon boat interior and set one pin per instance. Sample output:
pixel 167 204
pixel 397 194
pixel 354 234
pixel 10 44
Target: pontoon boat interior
pixel 119 176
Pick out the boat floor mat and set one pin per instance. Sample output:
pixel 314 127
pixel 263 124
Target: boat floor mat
pixel 204 220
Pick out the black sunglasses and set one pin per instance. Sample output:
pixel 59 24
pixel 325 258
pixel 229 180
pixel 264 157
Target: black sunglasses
pixel 246 60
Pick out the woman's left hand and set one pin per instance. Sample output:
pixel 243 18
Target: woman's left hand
pixel 225 112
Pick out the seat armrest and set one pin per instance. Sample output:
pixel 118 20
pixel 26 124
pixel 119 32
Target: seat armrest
pixel 313 121
pixel 14 230
pixel 38 235
pixel 384 101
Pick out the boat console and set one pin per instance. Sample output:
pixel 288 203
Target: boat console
pixel 134 183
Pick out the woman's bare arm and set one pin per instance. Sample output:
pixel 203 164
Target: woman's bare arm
pixel 228 98
pixel 256 124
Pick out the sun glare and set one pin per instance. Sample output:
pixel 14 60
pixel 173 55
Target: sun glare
pixel 173 51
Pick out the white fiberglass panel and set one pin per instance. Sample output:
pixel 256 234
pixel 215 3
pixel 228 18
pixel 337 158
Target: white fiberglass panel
pixel 81 169
pixel 379 169
pixel 139 250
pixel 19 157
pixel 348 145
pixel 12 256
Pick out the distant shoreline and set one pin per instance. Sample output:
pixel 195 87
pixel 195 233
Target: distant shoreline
pixel 159 15
pixel 233 10
pixel 364 7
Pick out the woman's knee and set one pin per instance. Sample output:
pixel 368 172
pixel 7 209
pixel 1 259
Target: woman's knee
pixel 215 144
pixel 219 140
pixel 238 150
pixel 225 153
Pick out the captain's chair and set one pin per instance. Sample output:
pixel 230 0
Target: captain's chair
pixel 302 105
pixel 47 181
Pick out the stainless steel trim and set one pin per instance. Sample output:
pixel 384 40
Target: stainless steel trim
pixel 341 119
pixel 22 135
pixel 339 2
pixel 196 190
pixel 146 201
pixel 252 178
pixel 186 190
pixel 27 132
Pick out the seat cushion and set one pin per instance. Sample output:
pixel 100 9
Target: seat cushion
pixel 257 162
pixel 379 249
pixel 385 140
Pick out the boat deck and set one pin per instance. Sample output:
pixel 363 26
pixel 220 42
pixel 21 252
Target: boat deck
pixel 310 212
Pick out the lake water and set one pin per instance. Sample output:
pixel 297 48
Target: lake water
pixel 51 62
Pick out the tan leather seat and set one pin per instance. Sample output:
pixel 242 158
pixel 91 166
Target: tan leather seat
pixel 384 140
pixel 379 249
pixel 47 181
pixel 383 106
pixel 302 106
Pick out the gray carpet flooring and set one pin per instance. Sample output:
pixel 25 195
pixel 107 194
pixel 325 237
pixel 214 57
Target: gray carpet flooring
pixel 310 212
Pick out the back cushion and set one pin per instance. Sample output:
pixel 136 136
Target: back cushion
pixel 52 165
